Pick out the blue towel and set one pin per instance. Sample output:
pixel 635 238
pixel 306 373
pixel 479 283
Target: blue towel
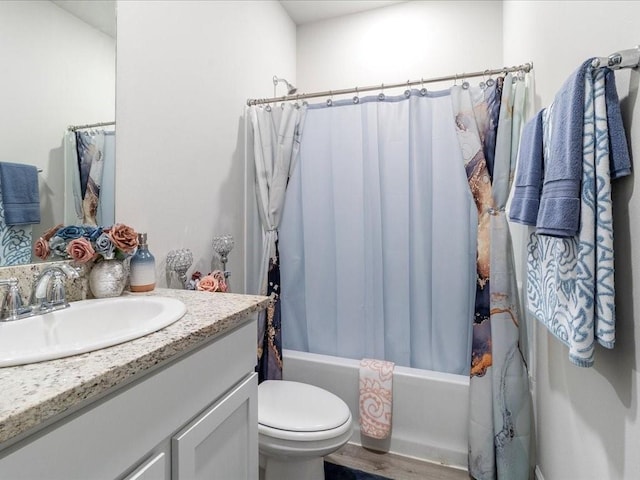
pixel 20 195
pixel 618 148
pixel 559 213
pixel 528 182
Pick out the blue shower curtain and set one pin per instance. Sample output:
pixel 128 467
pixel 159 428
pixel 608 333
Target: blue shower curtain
pixel 377 239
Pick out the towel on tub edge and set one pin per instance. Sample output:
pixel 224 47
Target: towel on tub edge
pixel 376 395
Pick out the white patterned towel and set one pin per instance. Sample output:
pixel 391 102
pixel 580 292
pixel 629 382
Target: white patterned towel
pixel 376 393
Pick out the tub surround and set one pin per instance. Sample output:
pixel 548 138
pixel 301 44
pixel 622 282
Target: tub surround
pixel 35 395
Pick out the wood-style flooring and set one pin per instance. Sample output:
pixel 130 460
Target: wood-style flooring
pixel 393 466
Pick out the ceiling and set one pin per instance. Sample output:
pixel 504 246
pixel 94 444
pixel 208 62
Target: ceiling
pixel 101 14
pixel 307 11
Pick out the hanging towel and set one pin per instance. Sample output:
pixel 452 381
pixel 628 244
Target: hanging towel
pixel 20 195
pixel 570 281
pixel 376 393
pixel 528 183
pixel 620 158
pixel 559 213
pixel 15 241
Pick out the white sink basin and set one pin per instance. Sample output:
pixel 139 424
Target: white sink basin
pixel 85 326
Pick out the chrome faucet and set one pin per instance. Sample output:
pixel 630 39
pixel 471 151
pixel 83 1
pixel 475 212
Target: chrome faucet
pixel 47 291
pixel 12 307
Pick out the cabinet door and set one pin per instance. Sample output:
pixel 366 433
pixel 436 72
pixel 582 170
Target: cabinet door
pixel 152 469
pixel 222 443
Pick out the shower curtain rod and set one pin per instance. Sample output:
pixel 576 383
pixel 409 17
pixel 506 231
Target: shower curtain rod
pixel 73 128
pixel 459 76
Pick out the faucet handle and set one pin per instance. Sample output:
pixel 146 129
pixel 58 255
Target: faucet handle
pixel 55 293
pixel 12 306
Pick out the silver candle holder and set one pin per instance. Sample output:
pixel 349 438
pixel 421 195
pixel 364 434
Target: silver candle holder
pixel 179 261
pixel 222 245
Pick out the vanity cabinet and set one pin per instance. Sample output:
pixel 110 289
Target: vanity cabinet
pixel 152 469
pixel 195 417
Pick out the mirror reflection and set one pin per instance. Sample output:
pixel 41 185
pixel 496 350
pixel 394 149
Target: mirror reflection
pixel 58 71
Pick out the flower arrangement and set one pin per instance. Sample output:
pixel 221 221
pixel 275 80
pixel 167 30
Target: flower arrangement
pixel 213 282
pixel 83 243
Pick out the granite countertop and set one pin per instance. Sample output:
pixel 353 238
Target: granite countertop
pixel 36 394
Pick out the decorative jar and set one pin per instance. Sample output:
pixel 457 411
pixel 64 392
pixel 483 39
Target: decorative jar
pixel 108 278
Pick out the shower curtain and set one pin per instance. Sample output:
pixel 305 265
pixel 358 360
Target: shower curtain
pixel 276 134
pixel 378 235
pixel 490 120
pixel 90 175
pixel 394 244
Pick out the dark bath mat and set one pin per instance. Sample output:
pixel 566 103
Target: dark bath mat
pixel 338 472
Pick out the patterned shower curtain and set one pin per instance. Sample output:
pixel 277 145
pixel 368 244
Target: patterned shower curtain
pixel 488 123
pixel 90 148
pixel 276 135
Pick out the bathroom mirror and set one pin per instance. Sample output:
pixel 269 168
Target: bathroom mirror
pixel 58 70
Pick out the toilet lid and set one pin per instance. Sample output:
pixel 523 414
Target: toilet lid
pixel 299 407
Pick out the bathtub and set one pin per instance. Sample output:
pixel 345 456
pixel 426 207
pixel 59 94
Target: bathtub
pixel 430 409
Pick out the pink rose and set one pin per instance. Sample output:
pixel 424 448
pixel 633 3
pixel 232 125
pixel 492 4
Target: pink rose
pixel 123 237
pixel 80 250
pixel 51 232
pixel 222 283
pixel 41 249
pixel 208 283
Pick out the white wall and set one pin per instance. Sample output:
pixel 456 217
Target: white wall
pixel 406 41
pixel 56 71
pixel 587 422
pixel 185 70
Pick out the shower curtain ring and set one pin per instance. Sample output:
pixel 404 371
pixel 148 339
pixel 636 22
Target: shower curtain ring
pixel 407 92
pixel 381 94
pixel 490 81
pixel 356 99
pixel 483 83
pixel 330 100
pixel 423 91
pixel 465 84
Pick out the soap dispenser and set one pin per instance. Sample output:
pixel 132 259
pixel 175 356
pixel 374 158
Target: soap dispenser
pixel 142 269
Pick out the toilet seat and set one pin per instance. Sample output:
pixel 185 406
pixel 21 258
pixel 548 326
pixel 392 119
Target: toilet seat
pixel 300 412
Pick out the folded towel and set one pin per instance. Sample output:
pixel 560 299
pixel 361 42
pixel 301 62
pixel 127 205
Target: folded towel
pixel 376 392
pixel 528 183
pixel 20 195
pixel 559 213
pixel 619 150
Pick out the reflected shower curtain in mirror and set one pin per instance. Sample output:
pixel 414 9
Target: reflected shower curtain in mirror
pixel 90 146
pixel 90 176
pixel 276 133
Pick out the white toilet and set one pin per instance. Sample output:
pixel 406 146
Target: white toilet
pixel 298 424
